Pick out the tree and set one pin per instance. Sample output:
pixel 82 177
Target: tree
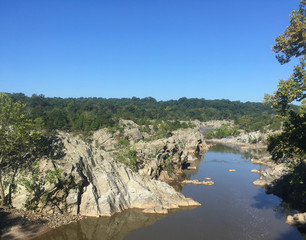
pixel 20 139
pixel 290 143
pixel 291 44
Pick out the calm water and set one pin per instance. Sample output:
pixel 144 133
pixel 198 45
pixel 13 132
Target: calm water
pixel 233 208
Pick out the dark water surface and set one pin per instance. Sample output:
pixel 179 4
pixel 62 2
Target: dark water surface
pixel 233 208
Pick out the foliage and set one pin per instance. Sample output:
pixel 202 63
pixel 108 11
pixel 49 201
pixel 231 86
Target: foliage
pixel 129 158
pixel 124 142
pixel 53 175
pixel 291 44
pixel 20 139
pixel 261 122
pixel 168 164
pixel 29 181
pixel 291 142
pixel 164 128
pixel 89 114
pixel 222 132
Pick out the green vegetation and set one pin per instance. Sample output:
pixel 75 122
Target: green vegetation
pixel 89 114
pixel 168 165
pixel 129 157
pixel 291 44
pixel 290 144
pixel 222 132
pixel 54 175
pixel 20 139
pixel 163 128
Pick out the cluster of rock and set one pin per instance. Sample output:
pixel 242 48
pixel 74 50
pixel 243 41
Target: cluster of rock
pixel 91 182
pixel 266 161
pixel 164 159
pixel 279 180
pixel 269 176
pixel 250 140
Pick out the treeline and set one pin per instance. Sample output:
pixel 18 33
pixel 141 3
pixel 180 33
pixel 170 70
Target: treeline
pixel 87 114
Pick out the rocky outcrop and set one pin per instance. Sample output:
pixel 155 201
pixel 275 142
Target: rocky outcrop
pixel 88 181
pixel 164 159
pixel 264 161
pixel 245 140
pixel 268 177
pixel 287 183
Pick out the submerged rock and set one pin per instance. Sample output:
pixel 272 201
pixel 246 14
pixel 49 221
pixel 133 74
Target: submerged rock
pixel 197 182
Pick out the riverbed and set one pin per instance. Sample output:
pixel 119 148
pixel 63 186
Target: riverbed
pixel 233 208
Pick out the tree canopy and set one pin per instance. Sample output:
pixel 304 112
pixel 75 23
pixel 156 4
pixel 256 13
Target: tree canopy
pixel 290 143
pixel 19 138
pixel 291 44
pixel 90 114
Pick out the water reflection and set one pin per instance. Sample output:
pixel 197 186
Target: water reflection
pixel 106 228
pixel 232 209
pixel 236 149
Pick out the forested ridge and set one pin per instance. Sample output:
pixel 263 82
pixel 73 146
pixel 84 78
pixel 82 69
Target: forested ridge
pixel 86 114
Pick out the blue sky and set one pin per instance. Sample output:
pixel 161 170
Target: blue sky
pixel 165 49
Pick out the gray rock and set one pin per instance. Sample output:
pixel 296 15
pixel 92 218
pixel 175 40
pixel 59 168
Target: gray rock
pixel 94 184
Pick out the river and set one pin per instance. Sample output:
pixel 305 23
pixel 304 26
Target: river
pixel 233 208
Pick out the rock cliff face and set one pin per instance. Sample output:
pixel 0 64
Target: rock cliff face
pixel 86 179
pixel 164 159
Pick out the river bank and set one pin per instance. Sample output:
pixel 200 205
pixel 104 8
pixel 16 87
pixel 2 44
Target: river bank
pixel 100 176
pixel 278 179
pixel 284 181
pixel 233 204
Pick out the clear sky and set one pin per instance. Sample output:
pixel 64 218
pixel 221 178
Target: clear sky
pixel 165 49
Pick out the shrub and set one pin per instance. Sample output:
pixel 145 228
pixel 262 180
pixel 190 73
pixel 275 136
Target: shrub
pixel 222 132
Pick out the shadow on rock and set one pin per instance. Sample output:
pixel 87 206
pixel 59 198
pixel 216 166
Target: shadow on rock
pixel 17 224
pixel 291 187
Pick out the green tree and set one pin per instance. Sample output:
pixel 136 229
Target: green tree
pixel 290 143
pixel 291 44
pixel 19 139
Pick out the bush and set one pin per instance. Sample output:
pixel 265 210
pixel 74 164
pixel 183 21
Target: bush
pixel 222 132
pixel 129 158
pixel 291 142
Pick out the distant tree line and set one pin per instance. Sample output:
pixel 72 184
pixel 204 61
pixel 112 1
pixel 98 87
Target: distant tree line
pixel 89 114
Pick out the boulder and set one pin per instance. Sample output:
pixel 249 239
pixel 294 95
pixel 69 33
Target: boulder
pixel 298 219
pixel 133 135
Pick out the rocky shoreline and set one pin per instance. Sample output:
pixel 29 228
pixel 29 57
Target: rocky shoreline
pixel 94 178
pixel 279 180
pixel 25 224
